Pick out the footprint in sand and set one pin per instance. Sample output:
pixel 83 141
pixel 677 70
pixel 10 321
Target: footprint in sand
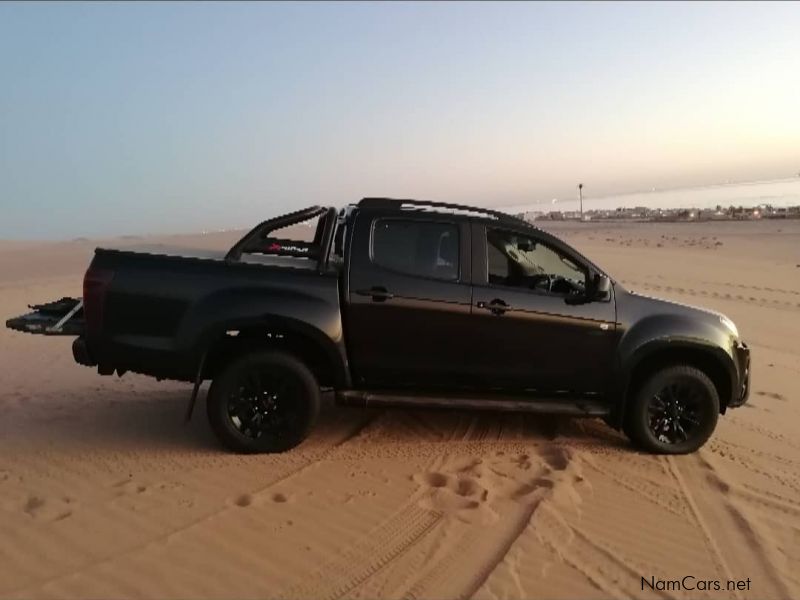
pixel 523 462
pixel 536 484
pixel 243 500
pixel 130 486
pixel 455 494
pixel 556 457
pixel 476 490
pixel 33 505
pixel 43 509
pixel 773 395
pixel 435 480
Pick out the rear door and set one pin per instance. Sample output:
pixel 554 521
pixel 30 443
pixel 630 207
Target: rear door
pixel 409 300
pixel 527 333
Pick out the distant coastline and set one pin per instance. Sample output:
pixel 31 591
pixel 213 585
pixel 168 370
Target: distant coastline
pixel 645 214
pixel 764 195
pixel 702 186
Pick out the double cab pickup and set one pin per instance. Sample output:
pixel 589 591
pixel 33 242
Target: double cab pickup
pixel 403 303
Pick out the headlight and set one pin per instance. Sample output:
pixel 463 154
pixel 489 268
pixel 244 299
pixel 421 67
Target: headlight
pixel 729 324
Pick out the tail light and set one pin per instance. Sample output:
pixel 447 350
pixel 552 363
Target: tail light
pixel 95 285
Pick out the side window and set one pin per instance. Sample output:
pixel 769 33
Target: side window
pixel 516 260
pixel 421 248
pixel 498 265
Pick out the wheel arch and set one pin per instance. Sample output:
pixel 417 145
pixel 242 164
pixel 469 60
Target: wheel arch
pixel 231 340
pixel 658 354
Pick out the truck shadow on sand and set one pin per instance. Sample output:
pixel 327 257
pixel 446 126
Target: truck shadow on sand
pixel 484 428
pixel 153 421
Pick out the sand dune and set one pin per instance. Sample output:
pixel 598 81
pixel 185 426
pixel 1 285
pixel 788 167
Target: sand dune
pixel 105 493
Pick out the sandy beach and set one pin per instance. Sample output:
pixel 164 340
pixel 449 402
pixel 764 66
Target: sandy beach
pixel 106 493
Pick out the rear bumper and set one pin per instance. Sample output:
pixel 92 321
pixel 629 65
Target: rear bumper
pixel 742 391
pixel 80 352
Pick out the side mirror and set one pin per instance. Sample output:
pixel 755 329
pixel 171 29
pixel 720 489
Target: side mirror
pixel 601 287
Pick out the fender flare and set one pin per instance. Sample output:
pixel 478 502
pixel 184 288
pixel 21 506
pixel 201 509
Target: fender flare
pixel 310 317
pixel 670 347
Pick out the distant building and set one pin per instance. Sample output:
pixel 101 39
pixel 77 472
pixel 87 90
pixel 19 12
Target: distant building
pixel 643 213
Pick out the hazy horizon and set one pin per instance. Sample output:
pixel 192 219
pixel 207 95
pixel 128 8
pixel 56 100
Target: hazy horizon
pixel 159 118
pixel 748 194
pixel 744 193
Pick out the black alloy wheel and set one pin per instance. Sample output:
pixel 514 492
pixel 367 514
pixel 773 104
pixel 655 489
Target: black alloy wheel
pixel 674 411
pixel 263 402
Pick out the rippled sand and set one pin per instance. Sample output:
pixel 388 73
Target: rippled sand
pixel 105 493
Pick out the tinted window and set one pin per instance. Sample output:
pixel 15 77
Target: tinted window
pixel 420 248
pixel 498 265
pixel 517 260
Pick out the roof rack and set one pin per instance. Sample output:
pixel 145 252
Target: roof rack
pixel 408 203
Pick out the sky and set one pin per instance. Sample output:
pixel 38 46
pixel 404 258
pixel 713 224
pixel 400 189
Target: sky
pixel 120 118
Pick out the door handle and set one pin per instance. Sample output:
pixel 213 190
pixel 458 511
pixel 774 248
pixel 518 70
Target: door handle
pixel 496 306
pixel 378 293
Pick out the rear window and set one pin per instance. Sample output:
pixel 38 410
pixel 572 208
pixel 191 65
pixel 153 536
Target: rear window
pixel 420 248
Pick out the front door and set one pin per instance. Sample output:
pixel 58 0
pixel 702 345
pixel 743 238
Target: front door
pixel 409 301
pixel 529 334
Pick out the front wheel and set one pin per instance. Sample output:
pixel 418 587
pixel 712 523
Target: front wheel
pixel 263 402
pixel 674 412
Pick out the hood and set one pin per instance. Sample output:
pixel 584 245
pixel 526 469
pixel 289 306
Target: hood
pixel 652 305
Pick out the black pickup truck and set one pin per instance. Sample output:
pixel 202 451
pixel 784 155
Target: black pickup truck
pixel 403 303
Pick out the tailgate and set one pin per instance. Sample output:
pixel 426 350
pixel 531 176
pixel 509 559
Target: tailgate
pixel 60 317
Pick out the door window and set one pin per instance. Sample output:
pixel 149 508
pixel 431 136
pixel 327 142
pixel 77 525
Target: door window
pixel 420 248
pixel 521 261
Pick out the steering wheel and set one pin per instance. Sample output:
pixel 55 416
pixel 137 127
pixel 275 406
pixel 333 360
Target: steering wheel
pixel 564 285
pixel 539 279
pixel 561 285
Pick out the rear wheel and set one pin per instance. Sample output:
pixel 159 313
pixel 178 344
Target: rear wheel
pixel 263 402
pixel 674 412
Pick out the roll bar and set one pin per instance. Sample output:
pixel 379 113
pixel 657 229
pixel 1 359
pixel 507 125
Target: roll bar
pixel 257 240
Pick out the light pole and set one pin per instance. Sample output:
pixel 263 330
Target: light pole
pixel 580 197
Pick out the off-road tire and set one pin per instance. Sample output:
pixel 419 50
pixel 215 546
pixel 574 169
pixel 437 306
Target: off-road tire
pixel 651 433
pixel 298 412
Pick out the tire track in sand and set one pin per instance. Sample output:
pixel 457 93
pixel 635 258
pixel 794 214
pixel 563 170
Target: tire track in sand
pixel 377 549
pixel 512 491
pixel 460 524
pixel 315 457
pixel 360 561
pixel 727 523
pixel 754 300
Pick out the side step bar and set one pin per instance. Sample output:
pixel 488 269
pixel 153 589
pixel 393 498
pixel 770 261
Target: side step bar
pixel 578 407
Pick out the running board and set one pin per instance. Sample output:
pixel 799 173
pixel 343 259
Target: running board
pixel 579 407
